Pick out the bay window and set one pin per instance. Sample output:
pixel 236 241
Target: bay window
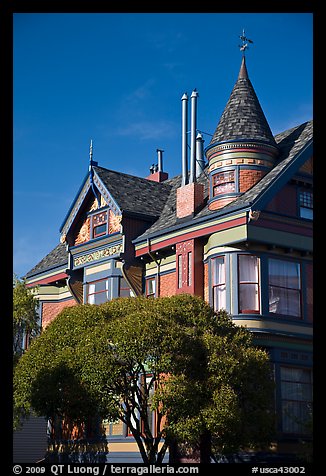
pixel 248 266
pixel 125 290
pixel 98 291
pixel 296 395
pixel 219 285
pixel 284 287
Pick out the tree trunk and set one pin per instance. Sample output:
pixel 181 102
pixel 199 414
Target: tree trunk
pixel 205 447
pixel 173 452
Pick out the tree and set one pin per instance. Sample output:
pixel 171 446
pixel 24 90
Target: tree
pixel 25 316
pixel 131 356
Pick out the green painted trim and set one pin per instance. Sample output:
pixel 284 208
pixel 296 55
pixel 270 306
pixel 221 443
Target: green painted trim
pixel 280 238
pixel 283 345
pixel 190 229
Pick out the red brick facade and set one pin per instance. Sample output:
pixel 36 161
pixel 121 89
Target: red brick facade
pixel 189 198
pixel 248 178
pixel 167 284
pixel 50 310
pixel 217 204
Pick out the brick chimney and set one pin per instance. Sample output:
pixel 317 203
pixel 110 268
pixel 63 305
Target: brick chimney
pixel 157 174
pixel 190 198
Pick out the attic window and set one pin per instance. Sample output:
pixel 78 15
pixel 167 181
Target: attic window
pixel 99 224
pixel 306 204
pixel 223 182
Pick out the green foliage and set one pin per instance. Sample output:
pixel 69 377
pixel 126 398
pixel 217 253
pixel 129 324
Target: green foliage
pixel 25 315
pixel 205 374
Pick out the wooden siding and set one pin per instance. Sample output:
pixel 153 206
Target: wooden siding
pixel 30 443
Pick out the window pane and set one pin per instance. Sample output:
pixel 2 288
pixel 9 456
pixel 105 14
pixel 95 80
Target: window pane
pixel 219 297
pixel 97 291
pixel 296 392
pixel 249 297
pixel 219 287
pixel 150 287
pixel 284 273
pixel 306 213
pixel 306 199
pixel 124 288
pixel 294 374
pixel 223 182
pixel 189 275
pixel 99 230
pixel 218 271
pixel 248 268
pixel 284 301
pixel 100 285
pixel 179 271
pixel 100 298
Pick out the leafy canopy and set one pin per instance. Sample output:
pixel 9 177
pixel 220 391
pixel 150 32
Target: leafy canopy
pixel 25 315
pixel 129 356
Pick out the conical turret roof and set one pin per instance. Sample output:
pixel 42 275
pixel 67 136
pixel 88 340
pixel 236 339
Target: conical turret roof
pixel 243 117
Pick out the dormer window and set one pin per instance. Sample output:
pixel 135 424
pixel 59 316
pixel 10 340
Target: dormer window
pixel 100 224
pixel 223 182
pixel 306 204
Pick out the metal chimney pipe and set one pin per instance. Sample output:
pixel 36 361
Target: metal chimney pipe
pixel 193 127
pixel 184 131
pixel 160 159
pixel 200 161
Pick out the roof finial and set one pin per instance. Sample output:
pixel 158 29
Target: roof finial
pixel 91 152
pixel 244 40
pixel 91 173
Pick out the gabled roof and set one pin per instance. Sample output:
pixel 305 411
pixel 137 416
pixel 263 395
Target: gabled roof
pixel 141 196
pixel 135 194
pixel 125 193
pixel 243 117
pixel 132 194
pixel 293 144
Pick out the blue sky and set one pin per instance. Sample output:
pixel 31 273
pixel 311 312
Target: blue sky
pixel 118 79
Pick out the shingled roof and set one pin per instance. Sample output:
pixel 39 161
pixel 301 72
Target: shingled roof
pixel 132 194
pixel 56 258
pixel 243 117
pixel 290 143
pixel 135 194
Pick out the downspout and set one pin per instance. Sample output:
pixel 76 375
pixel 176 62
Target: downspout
pixel 158 264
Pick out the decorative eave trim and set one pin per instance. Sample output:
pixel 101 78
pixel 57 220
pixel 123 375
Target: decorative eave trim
pixel 242 143
pixel 80 197
pixel 47 279
pixel 106 194
pixel 284 176
pixel 193 231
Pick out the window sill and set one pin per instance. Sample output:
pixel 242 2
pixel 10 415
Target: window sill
pixel 249 311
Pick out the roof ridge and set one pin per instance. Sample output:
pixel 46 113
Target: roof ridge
pixel 143 179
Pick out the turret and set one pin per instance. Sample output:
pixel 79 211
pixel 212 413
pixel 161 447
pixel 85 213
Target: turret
pixel 242 149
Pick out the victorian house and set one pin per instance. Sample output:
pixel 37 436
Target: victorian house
pixel 235 227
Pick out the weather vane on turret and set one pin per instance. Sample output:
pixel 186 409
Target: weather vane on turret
pixel 245 42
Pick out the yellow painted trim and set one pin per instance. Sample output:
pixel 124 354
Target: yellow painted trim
pixel 265 324
pixel 47 275
pixel 97 269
